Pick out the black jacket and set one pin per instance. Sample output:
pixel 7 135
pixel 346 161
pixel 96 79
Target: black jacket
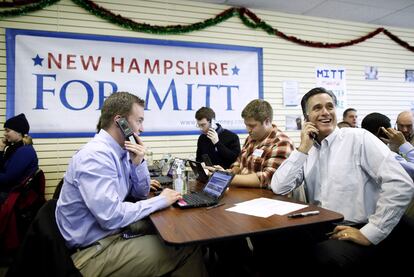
pixel 224 153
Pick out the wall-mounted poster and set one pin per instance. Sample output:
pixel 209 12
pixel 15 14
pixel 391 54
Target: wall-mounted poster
pixel 293 122
pixel 334 79
pixel 371 73
pixel 290 93
pixel 60 80
pixel 409 75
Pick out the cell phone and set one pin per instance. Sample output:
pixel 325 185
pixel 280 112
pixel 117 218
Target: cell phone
pixel 126 130
pixel 382 134
pixel 213 124
pixel 312 135
pixel 206 160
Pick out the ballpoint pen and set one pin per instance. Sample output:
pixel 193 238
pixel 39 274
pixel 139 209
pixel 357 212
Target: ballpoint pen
pixel 215 206
pixel 303 214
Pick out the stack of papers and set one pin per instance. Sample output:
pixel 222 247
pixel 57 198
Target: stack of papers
pixel 265 207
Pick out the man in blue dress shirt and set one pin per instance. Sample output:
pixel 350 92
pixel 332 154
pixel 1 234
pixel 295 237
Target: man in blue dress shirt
pixel 110 236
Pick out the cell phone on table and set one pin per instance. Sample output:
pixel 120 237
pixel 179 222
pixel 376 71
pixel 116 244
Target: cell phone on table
pixel 206 160
pixel 126 130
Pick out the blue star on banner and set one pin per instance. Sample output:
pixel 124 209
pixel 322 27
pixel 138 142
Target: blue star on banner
pixel 235 70
pixel 37 60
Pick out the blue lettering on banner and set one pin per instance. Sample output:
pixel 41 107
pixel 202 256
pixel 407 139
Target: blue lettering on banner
pixel 329 73
pixel 58 79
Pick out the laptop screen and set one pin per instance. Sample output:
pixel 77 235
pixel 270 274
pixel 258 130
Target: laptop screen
pixel 217 183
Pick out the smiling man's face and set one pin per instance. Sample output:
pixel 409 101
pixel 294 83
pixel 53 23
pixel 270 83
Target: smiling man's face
pixel 321 112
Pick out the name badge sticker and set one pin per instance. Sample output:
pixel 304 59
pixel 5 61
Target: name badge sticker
pixel 258 153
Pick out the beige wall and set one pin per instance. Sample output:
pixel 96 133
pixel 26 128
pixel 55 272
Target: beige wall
pixel 282 60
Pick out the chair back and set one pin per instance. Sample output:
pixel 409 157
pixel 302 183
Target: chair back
pixel 19 210
pixel 43 251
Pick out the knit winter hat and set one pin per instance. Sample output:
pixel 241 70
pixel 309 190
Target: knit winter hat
pixel 18 123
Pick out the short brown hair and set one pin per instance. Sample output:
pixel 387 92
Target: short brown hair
pixel 205 112
pixel 119 103
pixel 259 110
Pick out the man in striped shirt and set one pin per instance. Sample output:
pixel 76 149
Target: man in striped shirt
pixel 264 150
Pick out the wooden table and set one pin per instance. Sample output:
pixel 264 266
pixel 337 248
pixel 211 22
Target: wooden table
pixel 198 225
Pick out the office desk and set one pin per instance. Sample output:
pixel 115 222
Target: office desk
pixel 198 225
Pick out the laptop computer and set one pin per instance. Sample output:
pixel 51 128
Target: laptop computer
pixel 198 170
pixel 212 192
pixel 165 181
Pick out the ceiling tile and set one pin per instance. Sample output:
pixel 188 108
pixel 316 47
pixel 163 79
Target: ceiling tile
pixel 348 11
pixel 400 19
pixel 290 6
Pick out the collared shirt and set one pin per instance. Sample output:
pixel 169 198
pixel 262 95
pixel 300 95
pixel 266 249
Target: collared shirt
pixel 99 177
pixel 264 157
pixel 406 158
pixel 353 173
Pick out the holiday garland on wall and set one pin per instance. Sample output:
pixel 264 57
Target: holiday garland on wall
pixel 248 18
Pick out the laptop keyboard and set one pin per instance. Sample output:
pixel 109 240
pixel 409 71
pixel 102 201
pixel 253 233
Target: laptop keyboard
pixel 197 199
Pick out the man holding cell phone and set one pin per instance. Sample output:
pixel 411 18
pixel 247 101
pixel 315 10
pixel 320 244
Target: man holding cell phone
pixel 107 234
pixel 215 144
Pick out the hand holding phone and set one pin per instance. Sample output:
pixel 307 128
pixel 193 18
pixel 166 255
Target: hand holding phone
pixel 213 136
pixel 308 137
pixel 126 130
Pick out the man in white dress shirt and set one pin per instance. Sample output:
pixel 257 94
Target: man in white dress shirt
pixel 349 171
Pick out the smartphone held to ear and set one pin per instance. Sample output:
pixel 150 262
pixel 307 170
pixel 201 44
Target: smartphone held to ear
pixel 213 124
pixel 126 130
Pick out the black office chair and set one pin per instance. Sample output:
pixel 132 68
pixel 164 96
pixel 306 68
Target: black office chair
pixel 43 251
pixel 19 209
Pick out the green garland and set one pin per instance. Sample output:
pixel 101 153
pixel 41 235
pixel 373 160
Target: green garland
pixel 247 17
pixel 27 8
pixel 127 23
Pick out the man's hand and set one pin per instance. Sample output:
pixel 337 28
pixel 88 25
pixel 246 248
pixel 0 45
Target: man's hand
pixel 306 140
pixel 213 136
pixel 171 195
pixel 3 143
pixel 342 232
pixel 137 151
pixel 396 138
pixel 155 185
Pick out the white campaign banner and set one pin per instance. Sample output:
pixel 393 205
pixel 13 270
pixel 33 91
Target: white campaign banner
pixel 60 81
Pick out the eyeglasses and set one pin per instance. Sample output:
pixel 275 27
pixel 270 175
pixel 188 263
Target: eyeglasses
pixel 202 125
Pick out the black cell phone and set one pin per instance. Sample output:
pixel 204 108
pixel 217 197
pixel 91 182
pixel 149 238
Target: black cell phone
pixel 206 160
pixel 382 134
pixel 126 130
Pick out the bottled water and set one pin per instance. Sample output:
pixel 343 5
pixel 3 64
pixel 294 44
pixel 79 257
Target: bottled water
pixel 149 157
pixel 165 165
pixel 179 181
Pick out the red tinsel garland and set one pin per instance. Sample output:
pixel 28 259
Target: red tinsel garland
pixel 248 18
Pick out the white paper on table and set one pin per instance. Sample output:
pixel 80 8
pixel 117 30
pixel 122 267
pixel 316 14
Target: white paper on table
pixel 265 207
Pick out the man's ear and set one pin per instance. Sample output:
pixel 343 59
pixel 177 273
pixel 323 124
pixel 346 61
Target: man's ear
pixel 267 122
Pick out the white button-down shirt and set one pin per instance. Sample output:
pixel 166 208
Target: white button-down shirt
pixel 352 172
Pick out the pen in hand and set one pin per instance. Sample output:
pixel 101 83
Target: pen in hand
pixel 303 214
pixel 215 206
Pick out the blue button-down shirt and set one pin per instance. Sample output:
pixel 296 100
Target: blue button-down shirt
pixel 99 177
